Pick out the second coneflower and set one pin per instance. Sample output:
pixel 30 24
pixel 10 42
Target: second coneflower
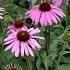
pixel 45 13
pixel 17 25
pixel 21 42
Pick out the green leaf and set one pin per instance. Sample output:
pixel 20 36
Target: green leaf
pixel 38 63
pixel 64 67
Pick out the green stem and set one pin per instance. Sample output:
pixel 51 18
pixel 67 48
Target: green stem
pixel 29 64
pixel 47 38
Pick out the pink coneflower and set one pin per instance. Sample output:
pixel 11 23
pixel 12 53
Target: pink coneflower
pixel 17 25
pixel 22 41
pixel 45 13
pixel 1 12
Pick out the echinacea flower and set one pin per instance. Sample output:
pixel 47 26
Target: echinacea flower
pixel 45 13
pixel 21 42
pixel 1 12
pixel 13 67
pixel 17 25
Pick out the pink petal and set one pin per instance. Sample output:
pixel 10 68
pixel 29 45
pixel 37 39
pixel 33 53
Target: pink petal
pixel 53 7
pixel 29 30
pixel 42 19
pixel 58 12
pixel 35 31
pixel 14 48
pixel 45 21
pixel 1 17
pixel 9 38
pixel 25 27
pixel 12 31
pixel 1 10
pixel 26 50
pixel 33 15
pixel 37 37
pixel 10 46
pixel 56 16
pixel 10 27
pixel 29 49
pixel 34 42
pixel 31 44
pixel 53 18
pixel 1 14
pixel 37 17
pixel 22 49
pixel 48 17
pixel 10 41
pixel 17 51
pixel 58 9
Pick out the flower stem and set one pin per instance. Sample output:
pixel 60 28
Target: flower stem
pixel 47 38
pixel 29 64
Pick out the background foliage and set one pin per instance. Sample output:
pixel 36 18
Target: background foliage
pixel 59 56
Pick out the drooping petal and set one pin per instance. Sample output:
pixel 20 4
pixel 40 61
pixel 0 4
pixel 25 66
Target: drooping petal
pixel 45 21
pixel 48 17
pixel 37 18
pixel 17 51
pixel 29 49
pixel 14 48
pixel 34 42
pixel 58 12
pixel 31 44
pixel 26 50
pixel 33 15
pixel 53 17
pixel 34 31
pixel 9 38
pixel 42 19
pixel 10 46
pixel 22 48
pixel 56 16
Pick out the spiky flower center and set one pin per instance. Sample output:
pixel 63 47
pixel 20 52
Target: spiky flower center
pixel 45 6
pixel 23 36
pixel 18 24
pixel 12 68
